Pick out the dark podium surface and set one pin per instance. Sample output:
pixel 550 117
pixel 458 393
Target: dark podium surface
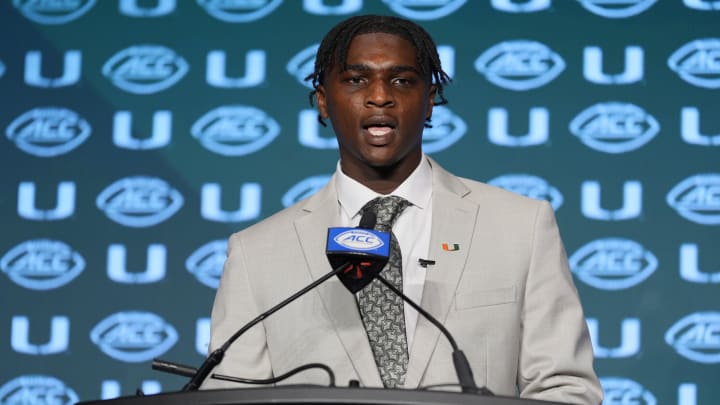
pixel 315 395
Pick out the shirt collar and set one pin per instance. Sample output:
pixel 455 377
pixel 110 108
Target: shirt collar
pixel 352 195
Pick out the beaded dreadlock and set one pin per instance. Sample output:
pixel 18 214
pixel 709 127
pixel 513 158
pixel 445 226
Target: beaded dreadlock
pixel 333 49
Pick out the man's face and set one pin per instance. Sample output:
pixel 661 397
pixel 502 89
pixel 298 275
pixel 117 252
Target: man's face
pixel 378 106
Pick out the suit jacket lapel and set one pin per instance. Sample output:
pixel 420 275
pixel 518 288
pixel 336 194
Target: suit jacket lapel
pixel 453 224
pixel 339 303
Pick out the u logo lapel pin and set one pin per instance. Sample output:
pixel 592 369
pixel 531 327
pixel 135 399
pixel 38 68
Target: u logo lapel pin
pixel 450 247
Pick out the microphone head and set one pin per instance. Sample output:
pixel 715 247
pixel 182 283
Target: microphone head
pixel 363 252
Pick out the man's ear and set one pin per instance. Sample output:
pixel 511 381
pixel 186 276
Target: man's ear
pixel 431 101
pixel 321 101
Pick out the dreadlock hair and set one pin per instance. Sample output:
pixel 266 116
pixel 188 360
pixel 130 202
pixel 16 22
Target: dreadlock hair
pixel 333 50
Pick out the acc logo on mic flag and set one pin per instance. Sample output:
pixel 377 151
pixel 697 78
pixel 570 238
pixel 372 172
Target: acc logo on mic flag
pixel 358 239
pixel 134 336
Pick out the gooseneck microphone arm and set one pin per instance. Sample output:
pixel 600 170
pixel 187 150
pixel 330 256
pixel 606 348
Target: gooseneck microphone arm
pixel 217 355
pixel 462 366
pixel 197 378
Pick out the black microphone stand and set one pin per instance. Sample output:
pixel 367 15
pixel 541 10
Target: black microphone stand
pixel 217 355
pixel 462 366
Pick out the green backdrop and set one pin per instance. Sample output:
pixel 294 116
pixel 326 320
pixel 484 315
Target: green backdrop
pixel 137 135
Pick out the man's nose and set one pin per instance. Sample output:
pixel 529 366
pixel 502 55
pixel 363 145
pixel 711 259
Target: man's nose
pixel 379 94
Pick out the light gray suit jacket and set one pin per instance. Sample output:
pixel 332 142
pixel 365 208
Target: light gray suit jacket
pixel 505 294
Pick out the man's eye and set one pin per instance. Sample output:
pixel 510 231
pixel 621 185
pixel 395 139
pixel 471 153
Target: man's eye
pixel 355 80
pixel 401 81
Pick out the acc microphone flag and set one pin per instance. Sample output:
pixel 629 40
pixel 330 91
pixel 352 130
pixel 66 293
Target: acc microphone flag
pixel 365 250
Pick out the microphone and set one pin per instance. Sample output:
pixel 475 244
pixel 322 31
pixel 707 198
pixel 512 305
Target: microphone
pixel 462 366
pixel 351 249
pixel 366 249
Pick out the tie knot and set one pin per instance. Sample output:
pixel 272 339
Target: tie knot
pixel 386 209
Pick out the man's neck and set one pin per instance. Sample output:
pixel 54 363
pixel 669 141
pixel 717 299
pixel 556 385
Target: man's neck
pixel 382 180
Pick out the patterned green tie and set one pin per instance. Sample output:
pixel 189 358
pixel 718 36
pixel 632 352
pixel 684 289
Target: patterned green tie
pixel 381 310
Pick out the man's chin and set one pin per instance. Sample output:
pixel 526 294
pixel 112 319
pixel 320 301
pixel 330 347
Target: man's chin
pixel 382 162
pixel 390 164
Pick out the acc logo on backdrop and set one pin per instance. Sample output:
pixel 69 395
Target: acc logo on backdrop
pixel 619 390
pixel 53 12
pixel 424 9
pixel 617 9
pixel 530 186
pixel 529 6
pixel 139 201
pixel 696 337
pixel 697 198
pixel 235 130
pixel 613 263
pixel 206 263
pixel 698 62
pixel 159 8
pixel 42 264
pixel 447 129
pixel 703 5
pixel 321 8
pixel 239 10
pixel 520 65
pixel 49 131
pixel 614 127
pixel 304 189
pixel 145 69
pixel 134 336
pixel 37 389
pixel 303 64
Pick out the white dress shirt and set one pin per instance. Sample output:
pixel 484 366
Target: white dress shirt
pixel 412 227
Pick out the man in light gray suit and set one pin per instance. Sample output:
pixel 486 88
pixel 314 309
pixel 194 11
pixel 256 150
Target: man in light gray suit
pixel 499 282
